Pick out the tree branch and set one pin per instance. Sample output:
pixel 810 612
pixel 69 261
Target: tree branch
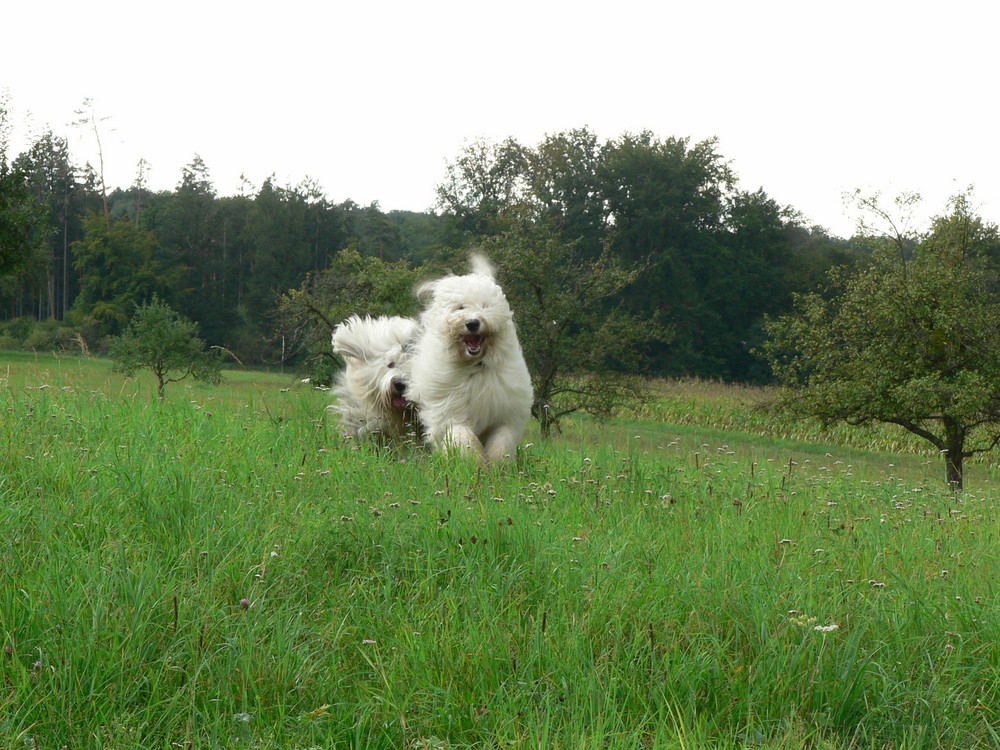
pixel 919 431
pixel 310 307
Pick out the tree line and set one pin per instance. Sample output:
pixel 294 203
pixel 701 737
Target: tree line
pixel 711 260
pixel 222 261
pixel 624 258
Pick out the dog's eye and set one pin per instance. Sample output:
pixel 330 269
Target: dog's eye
pixel 391 365
pixel 460 307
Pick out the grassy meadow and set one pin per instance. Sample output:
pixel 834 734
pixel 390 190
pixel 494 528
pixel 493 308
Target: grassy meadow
pixel 223 569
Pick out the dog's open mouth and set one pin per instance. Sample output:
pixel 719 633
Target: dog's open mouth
pixel 400 402
pixel 473 344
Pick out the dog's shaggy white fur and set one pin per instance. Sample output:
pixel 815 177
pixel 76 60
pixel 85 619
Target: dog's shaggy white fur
pixel 466 373
pixel 371 390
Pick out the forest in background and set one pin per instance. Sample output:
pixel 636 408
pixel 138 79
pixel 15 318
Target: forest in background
pixel 715 258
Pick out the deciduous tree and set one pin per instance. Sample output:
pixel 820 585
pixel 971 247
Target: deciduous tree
pixel 582 350
pixel 912 339
pixel 164 342
pixel 352 284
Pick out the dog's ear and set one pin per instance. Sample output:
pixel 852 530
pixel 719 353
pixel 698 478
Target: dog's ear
pixel 404 329
pixel 425 292
pixel 481 264
pixel 345 343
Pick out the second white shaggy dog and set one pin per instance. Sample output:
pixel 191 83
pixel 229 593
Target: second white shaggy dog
pixel 371 390
pixel 467 374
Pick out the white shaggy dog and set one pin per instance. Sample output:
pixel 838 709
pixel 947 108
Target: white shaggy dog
pixel 466 373
pixel 371 390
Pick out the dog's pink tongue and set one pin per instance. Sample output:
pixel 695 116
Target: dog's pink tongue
pixel 473 343
pixel 399 402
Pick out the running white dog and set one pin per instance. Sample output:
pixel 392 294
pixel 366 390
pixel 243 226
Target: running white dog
pixel 371 390
pixel 467 374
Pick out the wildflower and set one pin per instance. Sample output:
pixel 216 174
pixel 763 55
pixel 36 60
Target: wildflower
pixel 826 628
pixel 803 621
pixel 244 603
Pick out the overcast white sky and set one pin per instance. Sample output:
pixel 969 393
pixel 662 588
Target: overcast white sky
pixel 370 98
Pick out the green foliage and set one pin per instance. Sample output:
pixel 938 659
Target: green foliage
pixel 21 216
pixel 377 234
pixel 162 341
pixel 422 235
pixel 55 186
pixel 965 231
pixel 912 339
pixel 715 259
pixel 581 349
pixel 483 184
pixel 290 232
pixel 352 284
pixel 664 194
pixel 119 268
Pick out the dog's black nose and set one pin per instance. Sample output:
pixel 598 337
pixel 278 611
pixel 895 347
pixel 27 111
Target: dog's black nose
pixel 399 386
pixel 472 325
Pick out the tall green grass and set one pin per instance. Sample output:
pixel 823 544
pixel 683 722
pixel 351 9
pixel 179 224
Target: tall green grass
pixel 223 569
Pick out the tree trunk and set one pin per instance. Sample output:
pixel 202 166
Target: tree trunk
pixel 52 293
pixel 65 266
pixel 953 466
pixel 954 454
